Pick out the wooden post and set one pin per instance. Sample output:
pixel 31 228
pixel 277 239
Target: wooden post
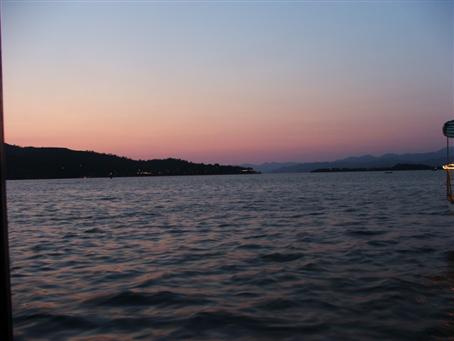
pixel 6 323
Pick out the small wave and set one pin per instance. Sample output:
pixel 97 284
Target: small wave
pixel 365 233
pixel 282 257
pixel 161 298
pixel 382 243
pixel 348 223
pixel 202 324
pixel 312 266
pixel 101 337
pixel 93 230
pixel 44 324
pixel 278 304
pixel 250 246
pixel 247 294
pixel 417 250
pixel 106 198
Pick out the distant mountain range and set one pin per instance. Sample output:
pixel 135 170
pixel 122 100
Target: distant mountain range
pixel 50 163
pixel 433 159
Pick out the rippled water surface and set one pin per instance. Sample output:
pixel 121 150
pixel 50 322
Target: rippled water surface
pixel 260 257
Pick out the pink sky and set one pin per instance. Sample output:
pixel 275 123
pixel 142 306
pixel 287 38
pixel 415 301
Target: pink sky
pixel 232 85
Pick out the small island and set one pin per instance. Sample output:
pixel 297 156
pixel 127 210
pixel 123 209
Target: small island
pixel 63 163
pixel 398 167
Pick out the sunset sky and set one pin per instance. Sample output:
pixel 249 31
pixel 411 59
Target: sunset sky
pixel 229 81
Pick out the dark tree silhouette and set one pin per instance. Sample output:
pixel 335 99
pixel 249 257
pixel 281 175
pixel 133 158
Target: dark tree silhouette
pixel 50 163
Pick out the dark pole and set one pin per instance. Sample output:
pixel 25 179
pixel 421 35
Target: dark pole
pixel 5 288
pixel 447 150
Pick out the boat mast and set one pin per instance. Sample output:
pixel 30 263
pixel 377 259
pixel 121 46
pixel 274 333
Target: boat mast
pixel 6 332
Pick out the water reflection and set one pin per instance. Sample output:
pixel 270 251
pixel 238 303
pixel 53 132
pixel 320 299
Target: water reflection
pixel 257 257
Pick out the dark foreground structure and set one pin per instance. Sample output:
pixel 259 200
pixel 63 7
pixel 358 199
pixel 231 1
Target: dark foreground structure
pixel 448 131
pixel 5 290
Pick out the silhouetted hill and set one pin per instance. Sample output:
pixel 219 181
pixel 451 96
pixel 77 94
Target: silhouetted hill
pixel 49 163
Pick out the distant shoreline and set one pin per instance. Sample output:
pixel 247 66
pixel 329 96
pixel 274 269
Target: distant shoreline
pixel 131 176
pixel 396 168
pixel 317 171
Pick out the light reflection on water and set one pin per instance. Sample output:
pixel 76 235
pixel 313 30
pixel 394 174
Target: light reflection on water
pixel 288 256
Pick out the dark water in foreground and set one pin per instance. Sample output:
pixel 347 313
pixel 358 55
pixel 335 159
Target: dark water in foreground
pixel 261 257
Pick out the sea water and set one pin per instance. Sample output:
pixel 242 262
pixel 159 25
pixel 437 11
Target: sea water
pixel 247 257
